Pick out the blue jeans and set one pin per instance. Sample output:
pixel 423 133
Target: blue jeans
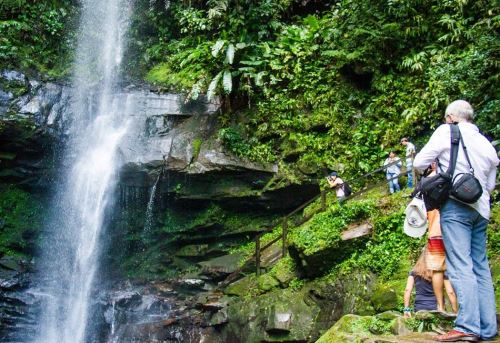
pixel 464 236
pixel 393 184
pixel 409 183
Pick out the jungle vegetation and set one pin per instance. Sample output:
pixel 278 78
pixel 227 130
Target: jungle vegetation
pixel 309 84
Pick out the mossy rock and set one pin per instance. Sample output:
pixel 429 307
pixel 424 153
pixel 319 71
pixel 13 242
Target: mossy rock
pixel 284 272
pixel 267 282
pixel 241 288
pixel 221 266
pixel 277 316
pixel 385 298
pixel 192 250
pixel 388 315
pixel 357 292
pixel 317 245
pixel 14 82
pixel 399 326
pixel 386 327
pixel 349 328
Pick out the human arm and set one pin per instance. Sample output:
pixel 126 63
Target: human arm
pixel 491 179
pixel 407 296
pixel 411 151
pixel 335 183
pixel 439 141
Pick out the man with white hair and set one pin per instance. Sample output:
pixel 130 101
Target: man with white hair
pixel 464 225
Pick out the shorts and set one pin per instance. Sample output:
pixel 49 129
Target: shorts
pixel 435 258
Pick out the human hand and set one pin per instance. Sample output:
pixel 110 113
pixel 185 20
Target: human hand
pixel 407 314
pixel 331 180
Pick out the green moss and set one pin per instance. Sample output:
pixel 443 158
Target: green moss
pixel 163 75
pixel 385 298
pixel 248 248
pixel 284 271
pixel 20 217
pixel 324 229
pixel 17 88
pixel 248 286
pixel 196 147
pixel 177 221
pixel 159 74
pixel 267 282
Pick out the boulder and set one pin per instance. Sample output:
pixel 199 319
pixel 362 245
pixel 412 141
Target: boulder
pixel 219 318
pixel 400 327
pixel 384 298
pixel 267 282
pixel 193 250
pixel 242 287
pixel 273 317
pixel 220 267
pixel 278 321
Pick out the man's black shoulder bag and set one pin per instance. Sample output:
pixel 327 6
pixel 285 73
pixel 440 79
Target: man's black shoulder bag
pixel 465 187
pixel 435 189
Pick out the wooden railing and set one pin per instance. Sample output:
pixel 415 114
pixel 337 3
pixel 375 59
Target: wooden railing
pixel 284 221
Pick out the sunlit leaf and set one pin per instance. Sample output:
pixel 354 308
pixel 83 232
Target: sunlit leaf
pixel 227 82
pixel 230 54
pixel 213 86
pixel 216 48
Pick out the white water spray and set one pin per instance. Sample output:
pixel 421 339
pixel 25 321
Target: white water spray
pixel 148 224
pixel 70 261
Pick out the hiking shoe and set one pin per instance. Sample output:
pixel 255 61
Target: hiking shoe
pixel 456 336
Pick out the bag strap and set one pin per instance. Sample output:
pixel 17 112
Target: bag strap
pixel 455 141
pixel 466 154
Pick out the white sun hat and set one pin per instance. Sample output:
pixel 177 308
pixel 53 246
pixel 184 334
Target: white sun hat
pixel 416 218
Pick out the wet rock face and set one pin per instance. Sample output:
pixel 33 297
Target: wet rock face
pixel 166 132
pixel 31 123
pixel 174 145
pixel 152 313
pixel 18 306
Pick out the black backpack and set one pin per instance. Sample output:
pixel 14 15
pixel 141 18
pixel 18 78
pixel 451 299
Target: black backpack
pixel 436 189
pixel 347 189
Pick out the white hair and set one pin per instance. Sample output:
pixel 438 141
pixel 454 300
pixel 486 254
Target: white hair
pixel 461 109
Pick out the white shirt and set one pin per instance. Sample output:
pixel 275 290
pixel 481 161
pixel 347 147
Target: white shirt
pixel 482 154
pixel 410 151
pixel 339 189
pixel 395 168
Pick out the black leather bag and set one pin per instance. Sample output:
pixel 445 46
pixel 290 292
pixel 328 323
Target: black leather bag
pixel 466 187
pixel 435 190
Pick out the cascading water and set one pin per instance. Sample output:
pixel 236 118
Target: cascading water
pixel 70 261
pixel 148 224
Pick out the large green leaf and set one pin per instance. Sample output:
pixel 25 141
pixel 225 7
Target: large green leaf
pixel 227 82
pixel 213 86
pixel 216 48
pixel 230 54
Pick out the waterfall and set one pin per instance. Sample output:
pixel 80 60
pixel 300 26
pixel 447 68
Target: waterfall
pixel 69 266
pixel 148 224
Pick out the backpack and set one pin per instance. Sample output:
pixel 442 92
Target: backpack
pixel 347 189
pixel 435 189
